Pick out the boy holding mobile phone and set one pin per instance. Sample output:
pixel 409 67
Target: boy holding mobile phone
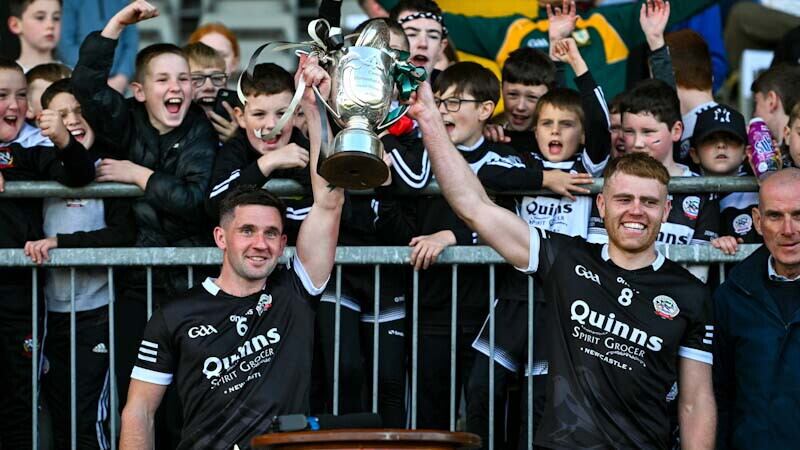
pixel 207 69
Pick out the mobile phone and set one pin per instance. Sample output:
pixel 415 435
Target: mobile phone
pixel 229 96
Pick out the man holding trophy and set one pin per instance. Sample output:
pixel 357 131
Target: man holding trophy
pixel 239 347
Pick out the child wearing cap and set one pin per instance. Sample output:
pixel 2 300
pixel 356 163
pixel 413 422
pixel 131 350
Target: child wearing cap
pixel 718 147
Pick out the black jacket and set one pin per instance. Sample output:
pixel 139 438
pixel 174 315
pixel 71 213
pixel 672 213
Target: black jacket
pixel 171 212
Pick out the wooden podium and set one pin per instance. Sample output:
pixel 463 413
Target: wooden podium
pixel 367 439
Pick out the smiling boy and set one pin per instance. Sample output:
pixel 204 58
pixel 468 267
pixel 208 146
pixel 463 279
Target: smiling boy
pixel 165 146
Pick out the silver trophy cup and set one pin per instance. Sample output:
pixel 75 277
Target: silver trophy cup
pixel 362 83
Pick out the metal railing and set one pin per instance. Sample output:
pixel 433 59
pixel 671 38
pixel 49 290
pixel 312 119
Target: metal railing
pixel 375 256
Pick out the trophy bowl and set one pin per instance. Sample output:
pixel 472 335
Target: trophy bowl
pixel 361 92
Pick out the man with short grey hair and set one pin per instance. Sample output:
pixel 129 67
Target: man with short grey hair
pixel 757 332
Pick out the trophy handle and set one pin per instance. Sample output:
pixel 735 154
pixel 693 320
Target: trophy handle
pixel 393 116
pixel 325 103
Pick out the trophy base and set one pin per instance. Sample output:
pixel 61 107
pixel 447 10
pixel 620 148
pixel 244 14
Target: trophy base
pixel 354 162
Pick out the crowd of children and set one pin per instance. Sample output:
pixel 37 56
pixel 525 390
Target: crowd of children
pixel 185 146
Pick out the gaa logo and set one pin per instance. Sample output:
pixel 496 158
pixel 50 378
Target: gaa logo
pixel 586 273
pixel 201 331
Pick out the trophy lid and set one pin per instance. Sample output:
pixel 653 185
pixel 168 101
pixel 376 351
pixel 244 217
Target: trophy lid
pixel 375 34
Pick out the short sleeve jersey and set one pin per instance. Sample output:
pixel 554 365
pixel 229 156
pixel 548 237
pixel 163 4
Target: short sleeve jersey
pixel 616 341
pixel 237 361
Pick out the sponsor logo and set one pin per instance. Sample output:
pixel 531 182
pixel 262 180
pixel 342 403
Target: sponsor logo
pixel 548 209
pixel 27 346
pixel 665 307
pixel 669 238
pixel 76 202
pixel 264 304
pixel 691 207
pixel 213 366
pixel 100 348
pixel 742 224
pixel 241 324
pixel 581 312
pixel 586 273
pixel 201 331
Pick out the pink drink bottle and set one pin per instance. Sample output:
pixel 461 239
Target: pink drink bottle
pixel 764 157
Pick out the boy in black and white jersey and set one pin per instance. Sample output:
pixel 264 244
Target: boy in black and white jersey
pixel 626 322
pixel 572 133
pixel 239 347
pixel 651 123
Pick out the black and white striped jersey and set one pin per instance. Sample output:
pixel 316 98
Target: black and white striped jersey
pixel 236 362
pixel 616 337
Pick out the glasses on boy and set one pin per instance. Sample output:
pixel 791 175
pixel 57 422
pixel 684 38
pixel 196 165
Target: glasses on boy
pixel 218 79
pixel 453 104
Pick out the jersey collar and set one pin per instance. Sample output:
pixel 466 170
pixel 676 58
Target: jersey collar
pixel 659 261
pixel 211 287
pixel 465 148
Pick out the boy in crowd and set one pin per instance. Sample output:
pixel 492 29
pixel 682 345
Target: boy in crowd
pixel 208 77
pixel 718 147
pixel 691 62
pixel 528 74
pixel 427 36
pixel 77 223
pixel 571 131
pixel 40 78
pixel 791 137
pixel 37 23
pixel 165 146
pixel 775 92
pixel 466 94
pixel 26 153
pixel 651 123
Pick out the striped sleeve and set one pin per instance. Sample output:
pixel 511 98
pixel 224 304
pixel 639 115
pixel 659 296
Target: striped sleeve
pixel 154 360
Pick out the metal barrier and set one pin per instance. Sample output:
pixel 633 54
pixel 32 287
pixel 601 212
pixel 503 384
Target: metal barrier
pixel 376 256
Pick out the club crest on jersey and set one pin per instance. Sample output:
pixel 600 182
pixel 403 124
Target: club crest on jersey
pixel 742 224
pixel 691 207
pixel 264 304
pixel 6 160
pixel 665 307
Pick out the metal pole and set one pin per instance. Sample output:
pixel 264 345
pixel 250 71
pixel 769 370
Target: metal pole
pixel 414 348
pixel 337 334
pixel 529 375
pixel 149 292
pixel 189 277
pixel 35 358
pixel 491 357
pixel 453 343
pixel 112 369
pixel 73 376
pixel 376 338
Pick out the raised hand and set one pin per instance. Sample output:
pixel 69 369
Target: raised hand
pixel 314 75
pixel 225 129
pixel 134 13
pixel 290 156
pixel 566 184
pixel 495 133
pixel 653 17
pixel 53 128
pixel 566 50
pixel 561 20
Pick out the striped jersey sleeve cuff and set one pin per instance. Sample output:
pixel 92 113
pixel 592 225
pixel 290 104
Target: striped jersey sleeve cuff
pixel 697 355
pixel 151 376
pixel 298 268
pixel 533 250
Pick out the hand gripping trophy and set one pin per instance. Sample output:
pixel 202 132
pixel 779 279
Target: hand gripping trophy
pixel 363 81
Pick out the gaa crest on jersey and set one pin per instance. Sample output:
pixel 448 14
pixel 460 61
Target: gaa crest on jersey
pixel 264 304
pixel 665 307
pixel 742 224
pixel 691 207
pixel 6 160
